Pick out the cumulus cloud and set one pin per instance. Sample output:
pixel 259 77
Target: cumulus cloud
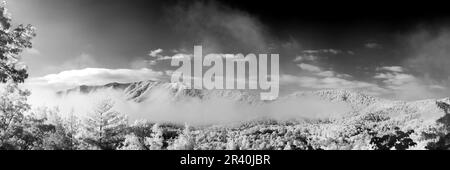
pixel 391 68
pixel 155 53
pixel 142 62
pixel 372 45
pixel 395 79
pixel 305 57
pixel 179 55
pixel 314 55
pixel 405 86
pixel 319 78
pixel 309 67
pixel 91 76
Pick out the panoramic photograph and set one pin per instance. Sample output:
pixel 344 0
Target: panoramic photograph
pixel 220 75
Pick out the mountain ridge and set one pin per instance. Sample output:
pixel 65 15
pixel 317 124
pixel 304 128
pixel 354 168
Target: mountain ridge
pixel 358 101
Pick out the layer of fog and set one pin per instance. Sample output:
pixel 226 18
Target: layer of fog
pixel 160 106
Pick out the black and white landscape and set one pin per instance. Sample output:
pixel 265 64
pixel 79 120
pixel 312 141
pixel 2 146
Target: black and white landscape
pixel 96 74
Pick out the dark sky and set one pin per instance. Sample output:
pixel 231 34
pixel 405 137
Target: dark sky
pixel 378 46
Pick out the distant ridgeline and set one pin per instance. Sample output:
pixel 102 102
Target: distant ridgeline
pixel 359 102
pixel 139 91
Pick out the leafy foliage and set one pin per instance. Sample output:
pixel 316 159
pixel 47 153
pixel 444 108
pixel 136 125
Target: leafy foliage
pixel 12 42
pixel 156 139
pixel 442 134
pixel 105 128
pixel 13 103
pixel 399 140
pixel 44 130
pixel 185 141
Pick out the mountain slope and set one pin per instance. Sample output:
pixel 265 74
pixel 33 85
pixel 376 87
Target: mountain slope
pixel 143 90
pixel 359 102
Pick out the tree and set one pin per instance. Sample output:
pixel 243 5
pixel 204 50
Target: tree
pixel 12 42
pixel 72 128
pixel 137 134
pixel 61 137
pixel 12 99
pixel 13 103
pixel 43 128
pixel 185 141
pixel 442 132
pixel 156 141
pixel 105 128
pixel 132 142
pixel 399 140
pixel 35 130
